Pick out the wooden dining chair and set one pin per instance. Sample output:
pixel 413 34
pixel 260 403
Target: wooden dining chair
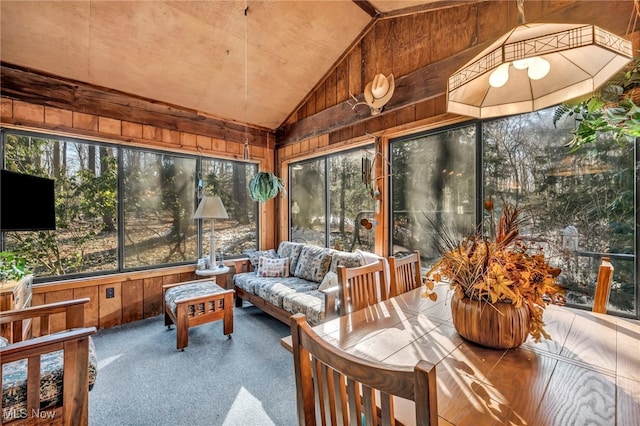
pixel 406 274
pixel 336 388
pixel 603 286
pixel 361 286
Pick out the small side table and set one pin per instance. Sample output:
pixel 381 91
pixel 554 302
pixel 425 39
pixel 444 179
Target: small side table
pixel 213 273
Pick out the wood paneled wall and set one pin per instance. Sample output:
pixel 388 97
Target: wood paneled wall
pixel 136 295
pixel 67 122
pixel 422 50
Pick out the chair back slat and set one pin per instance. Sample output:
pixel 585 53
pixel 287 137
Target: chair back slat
pixel 336 388
pixel 361 287
pixel 340 392
pixel 16 331
pixel 369 405
pixel 603 286
pixel 406 274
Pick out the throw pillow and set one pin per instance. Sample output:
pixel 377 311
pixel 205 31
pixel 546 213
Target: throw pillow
pixel 313 263
pixel 254 255
pixel 329 281
pixel 292 251
pixel 270 267
pixel 3 342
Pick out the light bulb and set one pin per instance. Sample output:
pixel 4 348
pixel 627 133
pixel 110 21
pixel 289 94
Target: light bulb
pixel 538 69
pixel 499 76
pixel 522 64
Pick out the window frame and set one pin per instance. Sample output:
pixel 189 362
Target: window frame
pixel 480 193
pixel 327 188
pixel 119 148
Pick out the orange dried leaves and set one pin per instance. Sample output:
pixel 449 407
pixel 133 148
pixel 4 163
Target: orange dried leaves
pixel 506 270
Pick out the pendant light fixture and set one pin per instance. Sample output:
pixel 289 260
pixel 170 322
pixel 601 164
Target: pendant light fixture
pixel 534 66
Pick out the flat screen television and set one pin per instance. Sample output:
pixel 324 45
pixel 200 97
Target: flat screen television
pixel 27 203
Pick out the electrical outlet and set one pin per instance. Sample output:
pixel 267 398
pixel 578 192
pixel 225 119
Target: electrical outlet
pixel 111 292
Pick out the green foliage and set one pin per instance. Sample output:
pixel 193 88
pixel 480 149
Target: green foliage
pixel 611 110
pixel 85 204
pixel 264 186
pixel 591 188
pixel 13 266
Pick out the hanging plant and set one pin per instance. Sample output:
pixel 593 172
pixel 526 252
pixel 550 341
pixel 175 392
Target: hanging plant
pixel 264 186
pixel 614 109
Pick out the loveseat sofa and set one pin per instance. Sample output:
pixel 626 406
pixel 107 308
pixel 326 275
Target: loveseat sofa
pixel 297 278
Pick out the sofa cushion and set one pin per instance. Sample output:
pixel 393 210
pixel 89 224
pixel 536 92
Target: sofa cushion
pixel 310 303
pixel 188 291
pixel 251 283
pixel 254 256
pixel 346 259
pixel 248 281
pixel 273 267
pixel 313 263
pixel 274 290
pixel 14 381
pixel 292 251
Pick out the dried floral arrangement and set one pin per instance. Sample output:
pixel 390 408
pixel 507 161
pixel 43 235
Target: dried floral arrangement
pixel 498 269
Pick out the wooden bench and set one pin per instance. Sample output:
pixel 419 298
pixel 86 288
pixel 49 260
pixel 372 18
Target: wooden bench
pixel 194 303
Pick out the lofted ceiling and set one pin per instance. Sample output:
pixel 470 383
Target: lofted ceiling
pixel 206 56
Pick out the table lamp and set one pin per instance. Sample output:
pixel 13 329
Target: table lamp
pixel 211 207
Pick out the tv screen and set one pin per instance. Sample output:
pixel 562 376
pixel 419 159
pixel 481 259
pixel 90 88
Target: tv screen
pixel 27 203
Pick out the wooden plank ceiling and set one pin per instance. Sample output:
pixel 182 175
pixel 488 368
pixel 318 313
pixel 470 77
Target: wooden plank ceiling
pixel 206 56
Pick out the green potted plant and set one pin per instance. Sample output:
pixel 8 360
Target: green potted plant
pixel 13 267
pixel 265 186
pixel 612 109
pixel 500 283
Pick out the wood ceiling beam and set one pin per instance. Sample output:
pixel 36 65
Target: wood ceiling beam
pixel 44 89
pixel 425 83
pixel 368 8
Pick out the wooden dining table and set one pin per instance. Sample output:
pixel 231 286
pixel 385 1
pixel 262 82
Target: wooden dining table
pixel 587 374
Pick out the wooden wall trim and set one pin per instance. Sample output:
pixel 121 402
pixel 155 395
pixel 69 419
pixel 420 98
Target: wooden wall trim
pixel 44 89
pixel 46 287
pixel 118 298
pixel 27 116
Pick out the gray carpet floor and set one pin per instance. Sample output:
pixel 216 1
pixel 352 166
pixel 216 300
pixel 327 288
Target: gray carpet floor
pixel 143 380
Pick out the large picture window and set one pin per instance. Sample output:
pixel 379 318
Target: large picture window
pixel 120 208
pixel 333 187
pixel 159 202
pixel 433 187
pixel 85 174
pixel 308 197
pixel 229 180
pixel 582 203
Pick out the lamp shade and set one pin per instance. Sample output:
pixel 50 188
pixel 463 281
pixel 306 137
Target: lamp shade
pixel 211 207
pixel 553 63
